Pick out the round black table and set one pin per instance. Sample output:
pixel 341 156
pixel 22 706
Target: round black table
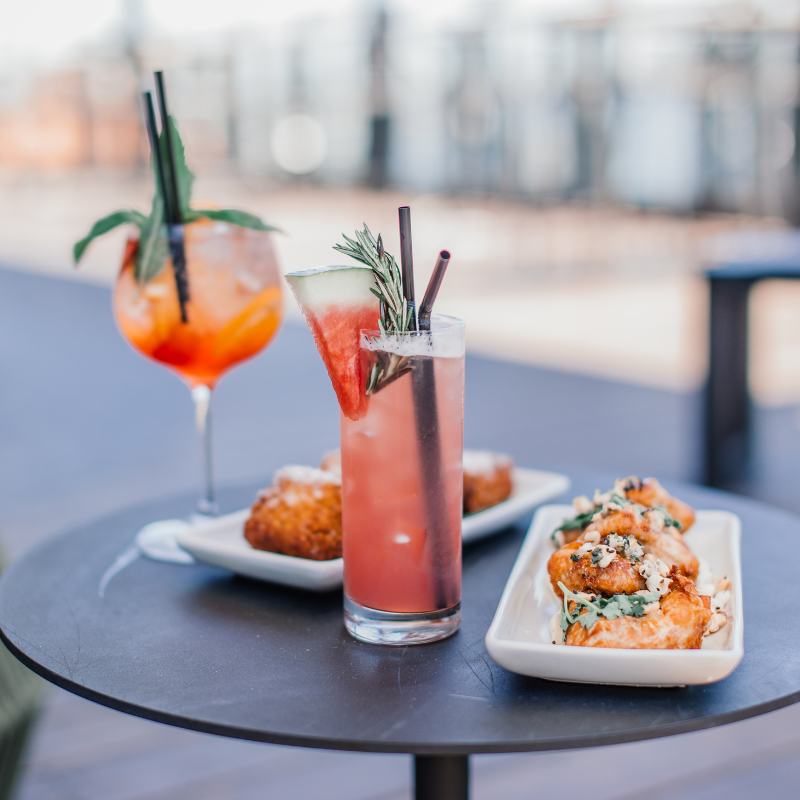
pixel 199 648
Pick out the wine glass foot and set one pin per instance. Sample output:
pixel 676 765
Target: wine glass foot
pixel 159 541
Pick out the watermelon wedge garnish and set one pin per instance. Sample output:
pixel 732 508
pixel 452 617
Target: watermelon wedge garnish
pixel 338 304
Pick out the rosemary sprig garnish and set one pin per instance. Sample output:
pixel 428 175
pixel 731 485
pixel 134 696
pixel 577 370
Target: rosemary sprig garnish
pixel 395 311
pixel 366 249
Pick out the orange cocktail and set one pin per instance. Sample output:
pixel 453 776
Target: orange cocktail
pixel 402 490
pixel 235 304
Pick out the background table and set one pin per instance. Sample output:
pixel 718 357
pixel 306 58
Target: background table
pixel 198 648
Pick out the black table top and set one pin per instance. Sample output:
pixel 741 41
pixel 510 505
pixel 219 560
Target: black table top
pixel 198 648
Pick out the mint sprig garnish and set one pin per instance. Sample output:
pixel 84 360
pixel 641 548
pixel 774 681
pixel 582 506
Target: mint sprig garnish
pixel 619 605
pixel 153 249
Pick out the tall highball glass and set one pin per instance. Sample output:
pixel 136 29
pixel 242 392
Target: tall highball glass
pixel 402 489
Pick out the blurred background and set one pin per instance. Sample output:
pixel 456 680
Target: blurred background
pixel 570 153
pixel 583 160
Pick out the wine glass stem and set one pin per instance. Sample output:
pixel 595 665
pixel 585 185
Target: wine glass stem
pixel 201 395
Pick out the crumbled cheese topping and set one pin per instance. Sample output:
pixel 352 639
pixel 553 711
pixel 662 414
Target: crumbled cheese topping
pixel 720 600
pixel 718 619
pixel 705 583
pixel 602 555
pixel 484 462
pixel 655 571
pixel 718 591
pixel 296 473
pixel 656 519
pixel 627 545
pixel 582 504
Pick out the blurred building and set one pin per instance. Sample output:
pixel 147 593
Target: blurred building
pixel 672 106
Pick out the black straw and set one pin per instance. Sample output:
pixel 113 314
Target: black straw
pixel 152 135
pixel 172 200
pixel 407 263
pixel 426 307
pixel 426 416
pixel 175 217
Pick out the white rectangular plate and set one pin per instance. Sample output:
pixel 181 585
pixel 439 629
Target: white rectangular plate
pixel 519 640
pixel 221 541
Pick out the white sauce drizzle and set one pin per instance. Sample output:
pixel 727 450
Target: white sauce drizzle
pixel 557 636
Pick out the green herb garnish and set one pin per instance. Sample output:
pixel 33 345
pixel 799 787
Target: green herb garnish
pixel 396 313
pixel 669 521
pixel 619 605
pixel 576 522
pixel 153 250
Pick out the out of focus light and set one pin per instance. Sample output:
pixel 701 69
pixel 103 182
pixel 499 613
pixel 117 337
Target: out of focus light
pixel 784 144
pixel 299 144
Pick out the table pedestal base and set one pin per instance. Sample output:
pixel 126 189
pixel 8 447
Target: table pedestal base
pixel 441 777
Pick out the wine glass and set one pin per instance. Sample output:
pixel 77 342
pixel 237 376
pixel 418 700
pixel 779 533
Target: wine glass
pixel 235 307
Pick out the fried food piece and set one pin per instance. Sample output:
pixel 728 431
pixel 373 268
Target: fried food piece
pixel 649 492
pixel 678 623
pixel 620 576
pixel 487 479
pixel 648 526
pixel 299 515
pixel 332 462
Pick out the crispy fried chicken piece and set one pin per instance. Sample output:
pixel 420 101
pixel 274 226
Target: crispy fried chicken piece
pixel 664 542
pixel 621 576
pixel 299 515
pixel 332 462
pixel 487 479
pixel 678 623
pixel 649 493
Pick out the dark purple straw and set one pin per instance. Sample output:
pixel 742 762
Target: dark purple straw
pixel 407 262
pixel 426 415
pixel 432 291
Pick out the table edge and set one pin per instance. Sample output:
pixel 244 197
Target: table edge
pixel 355 745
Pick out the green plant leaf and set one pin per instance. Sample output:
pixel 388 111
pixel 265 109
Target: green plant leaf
pixel 183 175
pixel 233 216
pixel 105 225
pixel 153 246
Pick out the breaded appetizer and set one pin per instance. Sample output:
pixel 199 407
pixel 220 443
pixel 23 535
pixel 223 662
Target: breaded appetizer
pixel 655 530
pixel 299 515
pixel 332 462
pixel 676 619
pixel 611 565
pixel 487 479
pixel 647 493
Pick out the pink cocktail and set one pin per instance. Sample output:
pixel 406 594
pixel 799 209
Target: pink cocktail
pixel 402 489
